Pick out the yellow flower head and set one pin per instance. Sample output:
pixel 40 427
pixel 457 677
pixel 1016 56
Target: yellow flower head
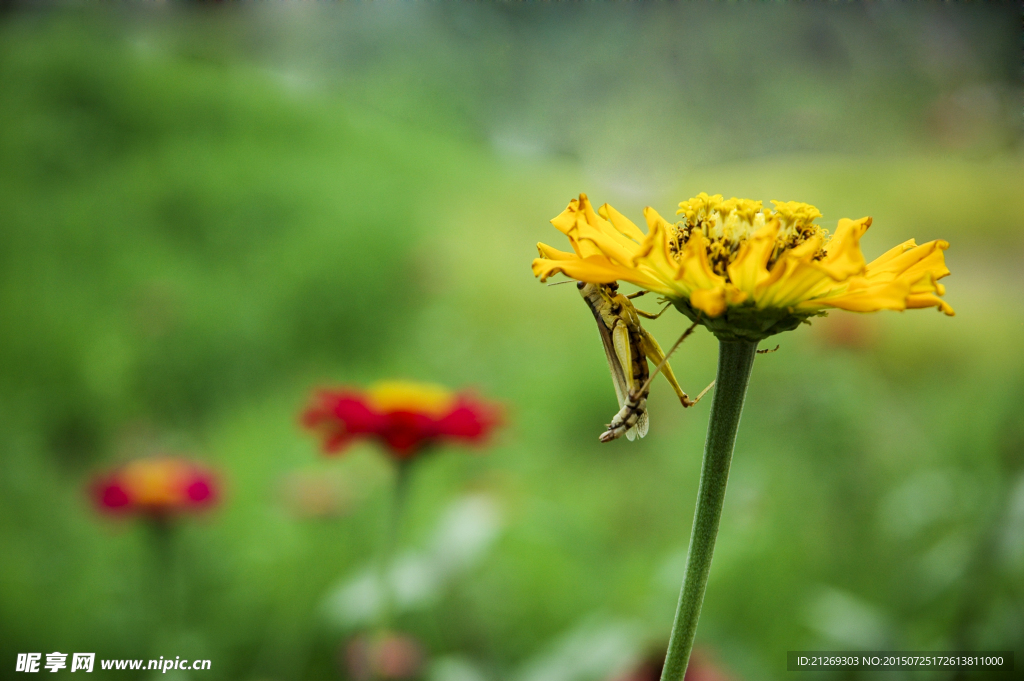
pixel 744 271
pixel 424 398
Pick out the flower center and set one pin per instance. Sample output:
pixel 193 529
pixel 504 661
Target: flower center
pixel 727 225
pixel 396 396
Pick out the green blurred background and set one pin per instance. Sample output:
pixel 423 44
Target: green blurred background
pixel 207 212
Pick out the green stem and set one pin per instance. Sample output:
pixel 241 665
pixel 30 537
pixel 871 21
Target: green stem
pixel 394 523
pixel 163 573
pixel 735 360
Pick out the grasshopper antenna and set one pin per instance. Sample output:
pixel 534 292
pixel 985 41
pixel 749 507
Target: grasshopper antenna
pixel 567 281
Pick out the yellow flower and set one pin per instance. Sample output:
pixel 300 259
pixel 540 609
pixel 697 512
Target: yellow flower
pixel 744 271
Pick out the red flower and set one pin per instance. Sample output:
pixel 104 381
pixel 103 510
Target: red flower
pixel 405 417
pixel 155 486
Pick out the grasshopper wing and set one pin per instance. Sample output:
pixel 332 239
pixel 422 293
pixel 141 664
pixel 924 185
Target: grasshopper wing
pixel 642 424
pixel 617 352
pixel 624 354
pixel 614 363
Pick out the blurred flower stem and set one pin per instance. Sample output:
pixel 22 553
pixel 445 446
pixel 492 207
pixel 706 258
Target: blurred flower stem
pixel 161 532
pixel 735 360
pixel 403 470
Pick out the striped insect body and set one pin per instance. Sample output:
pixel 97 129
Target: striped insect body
pixel 628 347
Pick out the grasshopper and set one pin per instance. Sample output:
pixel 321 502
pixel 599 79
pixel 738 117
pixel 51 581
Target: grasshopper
pixel 628 347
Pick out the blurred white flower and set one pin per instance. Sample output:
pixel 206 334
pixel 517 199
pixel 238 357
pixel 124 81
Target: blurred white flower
pixel 847 620
pixel 945 563
pixel 466 532
pixel 923 499
pixel 593 651
pixel 1013 531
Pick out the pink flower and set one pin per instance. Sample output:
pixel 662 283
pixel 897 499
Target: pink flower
pixel 156 486
pixel 384 656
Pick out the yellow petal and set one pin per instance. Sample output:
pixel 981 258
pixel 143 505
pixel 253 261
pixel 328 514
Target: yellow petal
pixel 595 235
pixel 566 220
pixel 903 278
pixel 573 223
pixel 602 224
pixel 734 296
pixel 694 269
pixel 608 245
pixel 921 300
pixel 843 257
pixel 894 295
pixel 781 269
pixel 622 223
pixel 888 296
pixel 553 253
pixel 709 301
pixel 892 253
pixel 751 264
pixel 928 255
pixel 595 269
pixel 930 260
pixel 654 254
pixel 793 277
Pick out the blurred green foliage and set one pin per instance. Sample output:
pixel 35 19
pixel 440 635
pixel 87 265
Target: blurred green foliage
pixel 207 213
